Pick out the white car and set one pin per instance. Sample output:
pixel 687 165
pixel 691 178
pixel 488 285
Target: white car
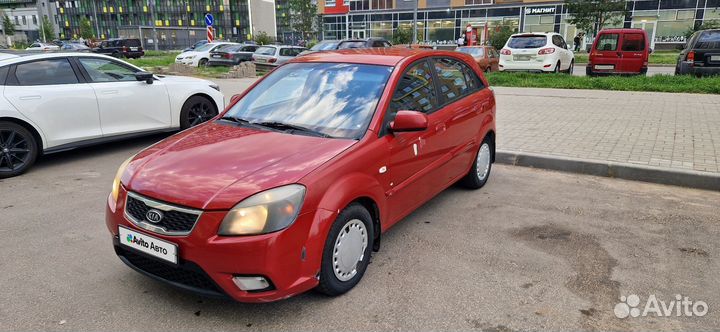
pixel 200 55
pixel 60 101
pixel 275 55
pixel 42 47
pixel 542 52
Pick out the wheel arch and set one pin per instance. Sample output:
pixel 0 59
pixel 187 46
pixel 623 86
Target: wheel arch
pixel 35 132
pixel 491 136
pixel 372 207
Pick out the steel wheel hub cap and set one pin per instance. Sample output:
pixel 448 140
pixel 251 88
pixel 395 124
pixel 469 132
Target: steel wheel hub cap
pixel 349 249
pixel 483 161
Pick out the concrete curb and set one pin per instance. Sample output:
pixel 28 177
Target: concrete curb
pixel 677 177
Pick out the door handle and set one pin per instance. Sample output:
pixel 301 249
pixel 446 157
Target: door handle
pixel 440 127
pixel 35 97
pixel 619 54
pixel 109 92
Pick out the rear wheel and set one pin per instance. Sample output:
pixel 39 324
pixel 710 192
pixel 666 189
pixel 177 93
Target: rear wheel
pixel 347 251
pixel 571 68
pixel 116 55
pixel 557 68
pixel 18 149
pixel 196 110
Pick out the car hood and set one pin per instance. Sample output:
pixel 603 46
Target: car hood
pixel 186 54
pixel 184 79
pixel 216 165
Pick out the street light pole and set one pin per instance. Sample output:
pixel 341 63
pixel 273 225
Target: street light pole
pixel 97 26
pixel 154 23
pixel 415 9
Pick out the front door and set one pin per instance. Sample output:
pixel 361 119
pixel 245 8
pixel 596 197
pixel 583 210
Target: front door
pixel 358 34
pixel 49 93
pixel 125 104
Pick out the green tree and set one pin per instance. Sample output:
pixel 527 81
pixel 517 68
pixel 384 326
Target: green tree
pixel 592 15
pixel 8 26
pixel 47 29
pixel 303 15
pixel 500 34
pixel 262 38
pixel 86 29
pixel 705 25
pixel 402 36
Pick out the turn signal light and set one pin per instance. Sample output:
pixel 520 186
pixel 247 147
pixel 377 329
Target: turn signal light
pixel 691 56
pixel 505 51
pixel 548 50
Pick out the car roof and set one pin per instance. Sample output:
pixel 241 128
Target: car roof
pixel 535 34
pixel 386 56
pixel 22 57
pixel 621 30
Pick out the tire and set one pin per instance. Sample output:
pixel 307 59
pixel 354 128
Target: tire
pixel 116 55
pixel 589 72
pixel 557 68
pixel 18 149
pixel 337 276
pixel 196 110
pixel 571 68
pixel 202 62
pixel 480 171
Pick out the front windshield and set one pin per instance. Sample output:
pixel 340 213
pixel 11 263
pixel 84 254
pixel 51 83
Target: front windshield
pixel 324 46
pixel 334 99
pixel 474 51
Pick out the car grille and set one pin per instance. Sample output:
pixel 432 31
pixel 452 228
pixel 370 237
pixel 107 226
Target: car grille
pixel 187 275
pixel 175 220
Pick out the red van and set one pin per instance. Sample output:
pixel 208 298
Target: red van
pixel 619 51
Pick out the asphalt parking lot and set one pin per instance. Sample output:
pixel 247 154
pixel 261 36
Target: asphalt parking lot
pixel 532 250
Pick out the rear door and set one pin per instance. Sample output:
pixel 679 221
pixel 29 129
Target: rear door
pixel 632 52
pixel 125 104
pixel 606 53
pixel 53 96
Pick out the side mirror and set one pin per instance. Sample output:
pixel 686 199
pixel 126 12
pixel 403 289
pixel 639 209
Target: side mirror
pixel 144 76
pixel 409 121
pixel 234 99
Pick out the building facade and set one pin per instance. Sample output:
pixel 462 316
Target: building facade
pixel 27 17
pixel 442 21
pixel 235 20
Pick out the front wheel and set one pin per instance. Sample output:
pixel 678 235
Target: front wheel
pixel 480 170
pixel 18 149
pixel 202 62
pixel 196 110
pixel 347 251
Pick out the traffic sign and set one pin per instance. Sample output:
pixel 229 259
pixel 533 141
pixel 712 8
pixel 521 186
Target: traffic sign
pixel 209 19
pixel 210 34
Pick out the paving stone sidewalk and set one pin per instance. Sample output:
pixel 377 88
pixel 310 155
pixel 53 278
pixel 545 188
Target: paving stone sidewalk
pixel 669 130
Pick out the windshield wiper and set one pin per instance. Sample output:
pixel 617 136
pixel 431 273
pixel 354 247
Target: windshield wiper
pixel 288 126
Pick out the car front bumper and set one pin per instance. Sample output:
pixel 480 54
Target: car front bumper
pixel 207 262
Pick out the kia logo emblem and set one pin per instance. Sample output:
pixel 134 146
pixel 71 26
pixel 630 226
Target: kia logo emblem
pixel 154 216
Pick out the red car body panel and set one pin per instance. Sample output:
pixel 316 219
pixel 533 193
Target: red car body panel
pixel 623 61
pixel 208 167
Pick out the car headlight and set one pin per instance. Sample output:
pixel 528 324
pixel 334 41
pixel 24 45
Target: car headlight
pixel 116 182
pixel 190 57
pixel 265 212
pixel 215 86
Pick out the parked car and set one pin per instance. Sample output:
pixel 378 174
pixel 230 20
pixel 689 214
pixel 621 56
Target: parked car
pixel 75 47
pixel 415 46
pixel 328 45
pixel 196 45
pixel 121 48
pixel 60 101
pixel 201 55
pixel 231 55
pixel 295 182
pixel 37 46
pixel 701 55
pixel 487 57
pixel 540 52
pixel 275 55
pixel 619 51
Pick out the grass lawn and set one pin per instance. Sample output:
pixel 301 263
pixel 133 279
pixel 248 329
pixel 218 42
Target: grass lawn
pixel 657 83
pixel 657 58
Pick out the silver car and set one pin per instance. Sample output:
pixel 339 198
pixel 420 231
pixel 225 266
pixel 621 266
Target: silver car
pixel 275 55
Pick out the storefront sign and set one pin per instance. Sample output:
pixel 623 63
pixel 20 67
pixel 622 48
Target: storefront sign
pixel 539 10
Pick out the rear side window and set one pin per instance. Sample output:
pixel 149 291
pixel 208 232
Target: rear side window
pixel 452 80
pixel 415 90
pixel 608 42
pixel 249 48
pixel 45 72
pixel 530 41
pixel 633 42
pixel 708 39
pixel 265 50
pixel 132 42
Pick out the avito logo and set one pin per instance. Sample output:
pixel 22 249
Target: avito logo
pixel 129 238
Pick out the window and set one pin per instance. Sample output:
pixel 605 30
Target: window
pixel 608 42
pixel 45 72
pixel 102 70
pixel 265 50
pixel 289 51
pixel 452 79
pixel 415 91
pixel 527 41
pixel 633 42
pixel 248 48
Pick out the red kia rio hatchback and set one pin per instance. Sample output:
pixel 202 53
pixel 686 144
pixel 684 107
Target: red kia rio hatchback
pixel 292 186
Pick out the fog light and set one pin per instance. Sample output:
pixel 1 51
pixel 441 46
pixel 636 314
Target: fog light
pixel 251 283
